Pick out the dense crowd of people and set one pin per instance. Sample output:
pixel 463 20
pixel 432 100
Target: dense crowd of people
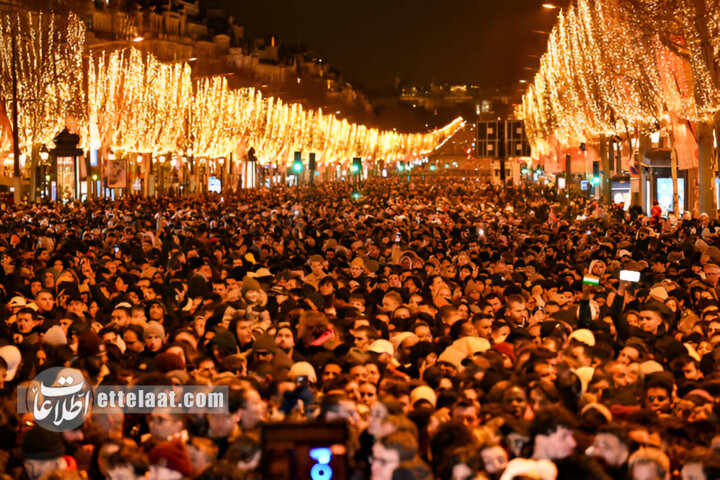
pixel 447 323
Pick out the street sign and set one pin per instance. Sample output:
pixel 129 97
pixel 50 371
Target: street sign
pixel 583 185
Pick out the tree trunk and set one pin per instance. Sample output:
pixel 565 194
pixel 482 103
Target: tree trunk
pixel 674 170
pixel 706 174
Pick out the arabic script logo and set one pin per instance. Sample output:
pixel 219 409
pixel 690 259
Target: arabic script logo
pixel 59 399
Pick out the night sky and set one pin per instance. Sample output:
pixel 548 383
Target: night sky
pixel 371 42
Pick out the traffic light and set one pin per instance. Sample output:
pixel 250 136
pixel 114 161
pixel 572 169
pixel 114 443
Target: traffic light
pixel 311 162
pixel 297 163
pixel 356 166
pixel 356 195
pixel 596 173
pixel 433 167
pixel 401 166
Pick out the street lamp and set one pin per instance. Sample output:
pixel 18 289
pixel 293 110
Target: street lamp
pixel 549 6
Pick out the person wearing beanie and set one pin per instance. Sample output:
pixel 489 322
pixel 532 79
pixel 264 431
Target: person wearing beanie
pixel 42 452
pixel 223 344
pixel 154 337
pixel 90 344
pixel 169 461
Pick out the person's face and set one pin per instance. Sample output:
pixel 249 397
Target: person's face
pixel 658 400
pixel 712 274
pixel 255 413
pixel 494 458
pixel 25 323
pixel 484 328
pixel 467 415
pixel 362 341
pixel 619 374
pixel 163 473
pixel 713 328
pixel 389 304
pixel 495 303
pixel 131 340
pixel 368 393
pixel 317 268
pixel 628 355
pixel 37 468
pixel 252 296
pixel 517 312
pixel 331 371
pixel 356 271
pixel 359 373
pixel 326 289
pixel 515 401
pixel 122 472
pixel 693 471
pixel 384 462
pixel 244 332
pixel 163 425
pixel 156 312
pixel 649 321
pixel 562 443
pixel 120 285
pixel 153 342
pixel 65 324
pixel 220 289
pixel 646 471
pixel 44 301
pixel 546 371
pixel 284 340
pixel 207 368
pixel 691 372
pixel 120 318
pixel 35 287
pixel 373 373
pixel 423 333
pixel 609 448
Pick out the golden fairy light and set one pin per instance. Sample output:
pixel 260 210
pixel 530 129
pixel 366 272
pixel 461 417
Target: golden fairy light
pixel 48 60
pixel 139 104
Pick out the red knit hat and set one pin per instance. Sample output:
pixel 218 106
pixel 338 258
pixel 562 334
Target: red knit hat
pixel 172 455
pixel 506 349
